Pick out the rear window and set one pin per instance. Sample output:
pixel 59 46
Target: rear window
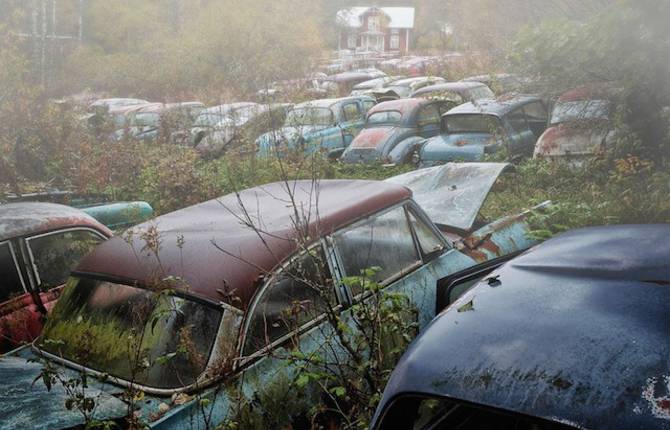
pixel 148 337
pixel 580 110
pixel 472 123
pixel 392 117
pixel 431 413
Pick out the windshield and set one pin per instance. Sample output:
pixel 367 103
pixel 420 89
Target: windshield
pixel 581 109
pixel 147 119
pixel 145 337
pixel 309 116
pixel 472 123
pixel 390 117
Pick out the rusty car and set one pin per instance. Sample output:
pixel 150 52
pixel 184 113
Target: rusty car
pixel 321 126
pixel 341 84
pixel 472 130
pixel 205 292
pixel 456 92
pixel 146 122
pixel 115 215
pixel 404 88
pixel 580 125
pixel 39 244
pixel 220 128
pixel 571 335
pixel 370 86
pixel 501 83
pixel 395 129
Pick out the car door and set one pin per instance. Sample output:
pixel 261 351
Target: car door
pixel 428 121
pixel 289 313
pixel 353 119
pixel 537 117
pixel 15 298
pixel 519 133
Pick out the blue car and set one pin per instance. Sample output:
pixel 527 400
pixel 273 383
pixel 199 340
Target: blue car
pixel 570 335
pixel 471 130
pixel 326 126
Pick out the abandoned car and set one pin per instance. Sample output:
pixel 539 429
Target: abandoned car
pixel 471 130
pixel 114 103
pixel 580 126
pixel 114 215
pixel 456 93
pixel 404 88
pixel 221 128
pixel 501 83
pixel 322 126
pixel 39 244
pixel 147 122
pixel 571 335
pixel 395 129
pixel 341 84
pixel 201 296
pixel 372 85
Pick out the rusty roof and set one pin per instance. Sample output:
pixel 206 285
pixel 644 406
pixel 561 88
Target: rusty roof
pixel 401 105
pixel 21 219
pixel 212 248
pixel 456 87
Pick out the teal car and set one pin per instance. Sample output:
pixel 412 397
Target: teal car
pixel 327 126
pixel 471 130
pixel 206 316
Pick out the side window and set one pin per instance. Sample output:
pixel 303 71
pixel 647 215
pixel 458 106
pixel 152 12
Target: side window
pixel 297 295
pixel 536 112
pixel 55 254
pixel 367 105
pixel 428 241
pixel 352 112
pixel 383 242
pixel 9 273
pixel 429 115
pixel 517 120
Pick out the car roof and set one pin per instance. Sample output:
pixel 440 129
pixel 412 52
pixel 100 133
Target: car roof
pixel 498 107
pixel 575 331
pixel 410 81
pixel 30 218
pixel 212 248
pixel 327 103
pixel 586 92
pixel 402 105
pixel 456 87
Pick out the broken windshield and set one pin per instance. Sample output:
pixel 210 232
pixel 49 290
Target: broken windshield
pixel 150 338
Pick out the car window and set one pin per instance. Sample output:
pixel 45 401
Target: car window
pixel 9 273
pixel 428 115
pixel 428 241
pixel 383 243
pixel 517 120
pixel 368 104
pixel 385 117
pixel 536 112
pixel 352 112
pixel 55 254
pixel 297 295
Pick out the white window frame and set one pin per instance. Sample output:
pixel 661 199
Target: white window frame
pixel 12 252
pixel 33 264
pixel 374 19
pixel 394 42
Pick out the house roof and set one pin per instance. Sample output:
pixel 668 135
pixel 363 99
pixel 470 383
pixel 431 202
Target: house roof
pixel 401 17
pixel 21 219
pixel 574 331
pixel 213 249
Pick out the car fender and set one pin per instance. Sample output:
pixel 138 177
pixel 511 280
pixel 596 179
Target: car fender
pixel 402 150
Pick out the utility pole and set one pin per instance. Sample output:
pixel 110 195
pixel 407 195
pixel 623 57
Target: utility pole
pixel 44 34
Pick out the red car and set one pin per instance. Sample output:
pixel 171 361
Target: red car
pixel 39 244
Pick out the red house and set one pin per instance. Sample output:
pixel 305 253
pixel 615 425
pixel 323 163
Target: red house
pixel 375 28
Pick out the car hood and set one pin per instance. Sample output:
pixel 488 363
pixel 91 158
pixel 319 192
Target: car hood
pixel 25 401
pixel 469 145
pixel 371 143
pixel 584 138
pixel 452 194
